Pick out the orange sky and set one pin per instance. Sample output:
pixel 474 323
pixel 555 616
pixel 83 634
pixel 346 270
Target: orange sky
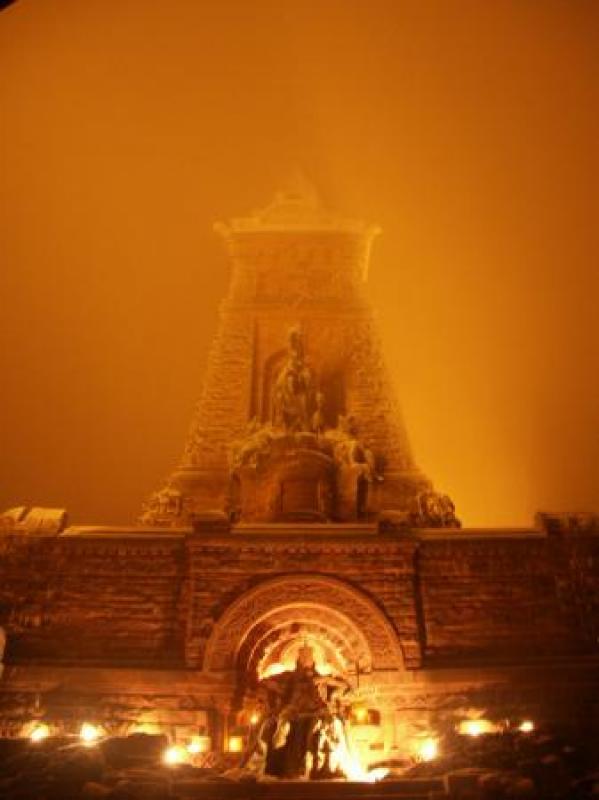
pixel 468 130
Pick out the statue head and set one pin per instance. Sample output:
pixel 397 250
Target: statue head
pixel 296 343
pixel 305 657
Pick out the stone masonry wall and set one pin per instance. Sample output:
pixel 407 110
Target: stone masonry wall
pixel 223 409
pixel 153 600
pixel 223 569
pixel 492 599
pixel 86 600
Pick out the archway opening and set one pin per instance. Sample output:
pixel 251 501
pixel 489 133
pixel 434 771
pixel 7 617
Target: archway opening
pixel 299 669
pixel 273 643
pixel 309 654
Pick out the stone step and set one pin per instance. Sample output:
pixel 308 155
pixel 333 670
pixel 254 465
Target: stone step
pixel 414 789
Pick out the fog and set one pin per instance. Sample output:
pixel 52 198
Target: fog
pixel 467 130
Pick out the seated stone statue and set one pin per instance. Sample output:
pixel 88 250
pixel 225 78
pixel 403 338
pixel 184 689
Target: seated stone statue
pixel 298 732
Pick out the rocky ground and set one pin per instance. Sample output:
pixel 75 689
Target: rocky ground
pixel 492 767
pixel 537 765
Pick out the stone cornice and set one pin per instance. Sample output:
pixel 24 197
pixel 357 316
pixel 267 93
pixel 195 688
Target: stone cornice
pixel 299 545
pixel 290 538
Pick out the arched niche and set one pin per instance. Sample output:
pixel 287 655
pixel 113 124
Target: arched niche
pixel 329 379
pixel 331 611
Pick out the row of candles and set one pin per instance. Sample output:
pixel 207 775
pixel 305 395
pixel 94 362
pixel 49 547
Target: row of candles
pixel 90 735
pixel 426 749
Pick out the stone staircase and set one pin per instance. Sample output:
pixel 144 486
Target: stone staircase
pixel 414 789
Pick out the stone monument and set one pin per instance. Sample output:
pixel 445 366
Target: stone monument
pixel 297 417
pixel 297 594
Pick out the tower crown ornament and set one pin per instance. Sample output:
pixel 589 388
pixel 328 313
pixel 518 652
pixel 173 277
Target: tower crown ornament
pixel 310 430
pixel 298 207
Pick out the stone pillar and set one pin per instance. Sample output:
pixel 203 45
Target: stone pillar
pixel 218 729
pixel 403 603
pixel 199 595
pixel 573 543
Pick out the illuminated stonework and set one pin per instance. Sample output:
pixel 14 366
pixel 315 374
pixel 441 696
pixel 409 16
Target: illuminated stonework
pixel 296 522
pixel 297 418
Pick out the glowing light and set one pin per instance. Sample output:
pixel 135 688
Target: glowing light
pixel 199 744
pixel 89 734
pixel 360 714
pixel 254 719
pixel 376 775
pixel 39 733
pixel 323 668
pixel 174 755
pixel 346 761
pixel 275 668
pixel 235 744
pixel 428 749
pixel 151 728
pixel 526 726
pixel 476 727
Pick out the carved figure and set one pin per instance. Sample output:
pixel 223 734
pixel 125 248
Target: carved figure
pixel 297 734
pixel 318 415
pixel 165 504
pixel 48 521
pixel 568 523
pixel 256 441
pixel 349 451
pixel 337 466
pixel 435 510
pixel 293 392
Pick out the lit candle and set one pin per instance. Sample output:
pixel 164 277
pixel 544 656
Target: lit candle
pixel 89 734
pixel 476 727
pixel 235 744
pixel 39 733
pixel 174 755
pixel 428 749
pixel 526 726
pixel 199 744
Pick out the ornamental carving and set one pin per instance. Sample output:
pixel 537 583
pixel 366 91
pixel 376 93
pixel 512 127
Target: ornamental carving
pixel 580 523
pixel 294 465
pixel 237 622
pixel 428 509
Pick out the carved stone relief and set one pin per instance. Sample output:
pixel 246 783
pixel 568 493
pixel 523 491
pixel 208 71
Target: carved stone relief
pixel 238 620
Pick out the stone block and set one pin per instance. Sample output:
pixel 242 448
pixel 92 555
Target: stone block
pixel 138 748
pixel 463 784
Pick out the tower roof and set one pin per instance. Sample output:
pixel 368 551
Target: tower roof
pixel 297 207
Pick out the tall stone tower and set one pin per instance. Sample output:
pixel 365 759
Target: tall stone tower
pixel 297 419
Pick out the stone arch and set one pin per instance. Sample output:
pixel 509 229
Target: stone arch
pixel 350 616
pixel 345 644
